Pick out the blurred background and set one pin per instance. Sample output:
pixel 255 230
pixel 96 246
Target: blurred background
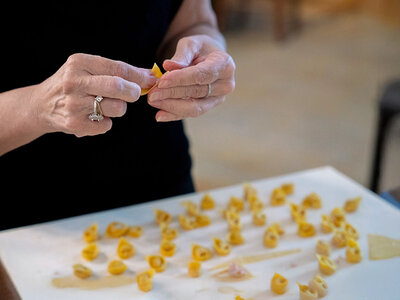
pixel 310 76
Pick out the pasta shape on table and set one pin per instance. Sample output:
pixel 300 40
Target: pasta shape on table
pixel 323 248
pixel 91 233
pixel 135 231
pixel 319 285
pixel 91 251
pixel 116 229
pixel 307 293
pixel 353 252
pixel 167 248
pixel 221 247
pixel 351 205
pixel 194 269
pixel 157 262
pixel 279 284
pixel 207 202
pixel 145 280
pixel 305 229
pixel 278 197
pixel 201 253
pixel 312 201
pixel 116 267
pixel 326 265
pixel 125 249
pixel 81 271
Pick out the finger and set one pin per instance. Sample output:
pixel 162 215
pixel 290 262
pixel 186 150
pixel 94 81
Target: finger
pixel 111 87
pixel 218 65
pixel 186 108
pixel 218 88
pixel 98 65
pixel 164 116
pixel 186 51
pixel 110 107
pixel 94 127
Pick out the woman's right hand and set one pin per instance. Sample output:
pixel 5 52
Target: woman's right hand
pixel 63 102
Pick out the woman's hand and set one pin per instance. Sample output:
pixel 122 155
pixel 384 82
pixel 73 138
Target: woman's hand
pixel 64 101
pixel 183 91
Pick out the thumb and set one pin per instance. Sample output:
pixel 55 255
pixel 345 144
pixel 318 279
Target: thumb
pixel 186 51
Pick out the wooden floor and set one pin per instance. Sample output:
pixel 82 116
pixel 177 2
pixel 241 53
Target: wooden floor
pixel 308 102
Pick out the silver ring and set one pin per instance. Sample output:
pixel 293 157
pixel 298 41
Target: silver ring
pixel 97 114
pixel 209 91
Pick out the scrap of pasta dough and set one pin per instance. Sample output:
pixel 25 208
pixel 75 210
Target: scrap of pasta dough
pixel 157 72
pixel 382 247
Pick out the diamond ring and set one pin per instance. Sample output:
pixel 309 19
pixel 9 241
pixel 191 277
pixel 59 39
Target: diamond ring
pixel 97 114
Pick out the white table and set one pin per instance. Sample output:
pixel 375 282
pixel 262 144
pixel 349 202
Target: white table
pixel 34 255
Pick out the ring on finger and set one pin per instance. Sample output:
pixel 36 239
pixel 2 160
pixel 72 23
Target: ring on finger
pixel 97 114
pixel 209 91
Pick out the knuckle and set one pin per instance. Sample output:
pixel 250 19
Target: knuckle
pixel 70 82
pixel 74 59
pixel 116 84
pixel 202 76
pixel 120 69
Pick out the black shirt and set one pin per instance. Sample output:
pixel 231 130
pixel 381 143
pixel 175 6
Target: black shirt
pixel 59 175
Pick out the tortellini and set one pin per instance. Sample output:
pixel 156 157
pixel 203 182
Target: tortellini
pixel 338 216
pixel 271 238
pixel 278 197
pixel 81 271
pixel 248 191
pixel 194 269
pixel 350 231
pixel 221 247
pixel 259 218
pixel 201 253
pixel 168 233
pixel 145 280
pixel 162 216
pixel 323 248
pixel 116 229
pixel 125 249
pixel 312 201
pixel 191 208
pixel 307 293
pixel 167 248
pixel 339 239
pixel 305 229
pixel 279 284
pixel 326 265
pixel 91 233
pixel 351 205
pixel 278 228
pixel 202 220
pixel 157 262
pixel 135 231
pixel 353 252
pixel 237 203
pixel 234 222
pixel 255 204
pixel 187 222
pixel 326 224
pixel 235 237
pixel 116 267
pixel 318 284
pixel 207 202
pixel 297 212
pixel 288 188
pixel 91 251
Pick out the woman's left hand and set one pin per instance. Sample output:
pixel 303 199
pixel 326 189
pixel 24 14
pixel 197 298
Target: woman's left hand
pixel 198 78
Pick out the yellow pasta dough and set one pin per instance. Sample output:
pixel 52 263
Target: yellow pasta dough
pixel 157 72
pixel 249 190
pixel 116 267
pixel 187 222
pixel 236 202
pixel 191 208
pixel 194 269
pixel 162 216
pixel 318 284
pixel 234 222
pixel 271 238
pixel 353 252
pixel 157 262
pixel 339 239
pixel 168 233
pixel 323 248
pixel 278 228
pixel 235 237
pixel 278 197
pixel 305 229
pixel 351 205
pixel 221 247
pixel 307 293
pixel 326 265
pixel 202 220
pixel 239 298
pixel 255 204
pixel 116 229
pixel 207 202
pixel 298 212
pixel 312 201
pixel 135 231
pixel 200 253
pixel 91 251
pixel 145 280
pixel 167 248
pixel 338 216
pixel 350 231
pixel 91 233
pixel 279 284
pixel 326 224
pixel 81 271
pixel 259 219
pixel 288 188
pixel 125 249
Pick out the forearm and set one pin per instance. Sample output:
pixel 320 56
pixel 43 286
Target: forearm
pixel 18 125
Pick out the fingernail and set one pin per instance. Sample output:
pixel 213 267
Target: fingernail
pixel 160 118
pixel 154 96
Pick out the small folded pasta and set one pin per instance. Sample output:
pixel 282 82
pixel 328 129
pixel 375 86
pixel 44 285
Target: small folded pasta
pixel 278 228
pixel 249 190
pixel 194 269
pixel 91 251
pixel 279 284
pixel 116 267
pixel 339 239
pixel 202 220
pixel 351 205
pixel 207 202
pixel 326 224
pixel 271 238
pixel 305 229
pixel 135 231
pixel 338 216
pixel 91 233
pixel 233 219
pixel 157 262
pixel 307 293
pixel 353 252
pixel 145 280
pixel 191 208
pixel 237 203
pixel 168 233
pixel 259 219
pixel 297 212
pixel 221 247
pixel 278 197
pixel 255 204
pixel 235 237
pixel 81 271
pixel 116 229
pixel 157 72
pixel 350 231
pixel 201 253
pixel 288 188
pixel 238 297
pixel 318 284
pixel 162 216
pixel 312 201
pixel 326 265
pixel 323 248
pixel 167 248
pixel 125 249
pixel 187 222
